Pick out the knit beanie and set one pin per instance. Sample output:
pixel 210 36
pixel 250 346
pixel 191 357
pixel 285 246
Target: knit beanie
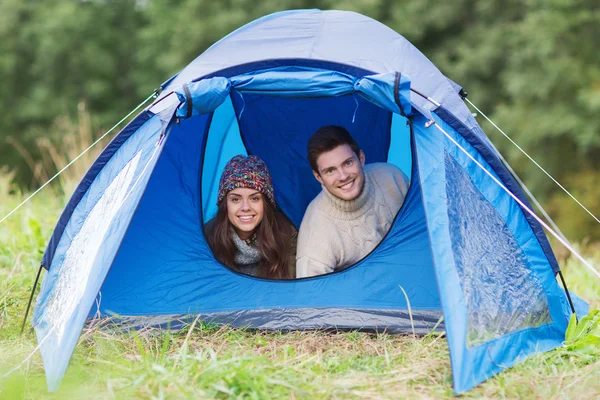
pixel 246 172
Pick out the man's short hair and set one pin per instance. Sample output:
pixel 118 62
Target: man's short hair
pixel 326 139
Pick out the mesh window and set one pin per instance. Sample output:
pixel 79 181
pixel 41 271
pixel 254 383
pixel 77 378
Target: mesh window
pixel 501 293
pixel 76 269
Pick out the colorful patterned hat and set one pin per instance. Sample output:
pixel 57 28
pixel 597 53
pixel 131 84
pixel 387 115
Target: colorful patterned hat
pixel 246 172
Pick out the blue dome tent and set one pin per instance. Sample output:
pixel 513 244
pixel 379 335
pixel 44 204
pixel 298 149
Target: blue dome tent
pixel 130 241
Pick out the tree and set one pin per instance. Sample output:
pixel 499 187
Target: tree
pixel 532 65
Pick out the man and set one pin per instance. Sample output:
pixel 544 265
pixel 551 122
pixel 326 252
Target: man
pixel 355 209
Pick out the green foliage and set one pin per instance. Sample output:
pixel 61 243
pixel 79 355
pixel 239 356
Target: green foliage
pixel 71 68
pixel 531 65
pixel 59 54
pixel 584 336
pixel 204 360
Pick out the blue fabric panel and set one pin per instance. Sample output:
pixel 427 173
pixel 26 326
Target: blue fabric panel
pixel 341 37
pixel 294 82
pixel 88 246
pixel 400 148
pixel 263 65
pixel 165 266
pixel 490 156
pixel 206 96
pixel 473 365
pixel 224 142
pixel 581 306
pixel 277 130
pixel 379 89
pixel 189 138
pixel 314 82
pixel 87 180
pixel 455 85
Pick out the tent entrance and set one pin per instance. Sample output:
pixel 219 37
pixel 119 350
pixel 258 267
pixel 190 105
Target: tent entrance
pixel 165 252
pixel 277 130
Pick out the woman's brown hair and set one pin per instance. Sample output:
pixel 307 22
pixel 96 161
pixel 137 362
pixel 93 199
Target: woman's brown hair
pixel 274 240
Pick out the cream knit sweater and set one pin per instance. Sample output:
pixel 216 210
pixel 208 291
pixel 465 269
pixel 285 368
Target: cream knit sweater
pixel 336 233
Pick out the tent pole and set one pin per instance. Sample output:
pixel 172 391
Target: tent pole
pixel 562 278
pixel 37 278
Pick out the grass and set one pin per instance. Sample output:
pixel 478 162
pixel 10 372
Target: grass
pixel 205 361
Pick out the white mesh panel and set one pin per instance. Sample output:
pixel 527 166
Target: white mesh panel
pixel 77 264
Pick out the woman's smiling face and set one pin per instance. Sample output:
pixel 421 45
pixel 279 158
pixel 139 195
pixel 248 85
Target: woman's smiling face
pixel 245 210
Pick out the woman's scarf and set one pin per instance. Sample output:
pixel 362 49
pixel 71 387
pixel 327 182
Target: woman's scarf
pixel 247 256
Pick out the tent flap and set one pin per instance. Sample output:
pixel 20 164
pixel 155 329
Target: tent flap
pixel 390 91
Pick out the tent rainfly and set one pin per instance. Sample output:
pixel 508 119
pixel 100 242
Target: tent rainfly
pixel 130 241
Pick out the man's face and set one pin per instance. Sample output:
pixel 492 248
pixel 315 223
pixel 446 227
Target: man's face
pixel 341 172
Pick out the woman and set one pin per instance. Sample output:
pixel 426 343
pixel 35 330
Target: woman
pixel 248 234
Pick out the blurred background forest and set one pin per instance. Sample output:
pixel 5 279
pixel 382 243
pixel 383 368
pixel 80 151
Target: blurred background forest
pixel 70 69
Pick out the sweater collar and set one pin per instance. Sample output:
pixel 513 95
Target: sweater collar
pixel 351 208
